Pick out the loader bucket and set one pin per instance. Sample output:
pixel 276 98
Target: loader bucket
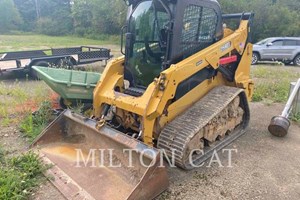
pixel 96 164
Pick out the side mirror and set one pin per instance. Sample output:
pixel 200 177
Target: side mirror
pixel 269 44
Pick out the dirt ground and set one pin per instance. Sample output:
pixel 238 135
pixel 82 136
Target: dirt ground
pixel 265 167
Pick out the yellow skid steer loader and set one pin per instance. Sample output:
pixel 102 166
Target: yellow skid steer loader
pixel 180 91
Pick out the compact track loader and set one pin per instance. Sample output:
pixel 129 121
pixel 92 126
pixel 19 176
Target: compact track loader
pixel 180 92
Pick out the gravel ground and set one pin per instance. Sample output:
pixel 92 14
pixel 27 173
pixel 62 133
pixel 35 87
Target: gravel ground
pixel 264 167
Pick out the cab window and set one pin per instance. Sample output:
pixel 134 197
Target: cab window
pixel 199 29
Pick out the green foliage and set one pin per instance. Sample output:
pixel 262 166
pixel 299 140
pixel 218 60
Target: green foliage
pixel 97 17
pixel 33 124
pixel 20 175
pixel 83 17
pixel 51 17
pixel 54 17
pixel 9 16
pixel 27 10
pixel 51 27
pixel 295 117
pixel 2 154
pixel 61 17
pixel 272 18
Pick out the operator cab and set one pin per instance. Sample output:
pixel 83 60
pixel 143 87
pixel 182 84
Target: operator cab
pixel 156 38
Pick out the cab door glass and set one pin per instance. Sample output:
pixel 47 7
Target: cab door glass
pixel 147 52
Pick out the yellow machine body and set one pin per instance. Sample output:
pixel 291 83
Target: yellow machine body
pixel 148 123
pixel 153 105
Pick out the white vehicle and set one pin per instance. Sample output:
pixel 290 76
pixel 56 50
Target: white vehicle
pixel 285 49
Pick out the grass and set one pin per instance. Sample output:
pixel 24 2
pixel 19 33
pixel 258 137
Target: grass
pixel 295 117
pixel 20 175
pixel 272 84
pixel 2 154
pixel 33 124
pixel 20 98
pixel 34 42
pixel 11 96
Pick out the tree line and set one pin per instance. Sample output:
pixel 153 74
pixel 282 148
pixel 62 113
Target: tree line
pixel 63 17
pixel 90 18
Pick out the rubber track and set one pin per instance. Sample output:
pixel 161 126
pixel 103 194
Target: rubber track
pixel 177 134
